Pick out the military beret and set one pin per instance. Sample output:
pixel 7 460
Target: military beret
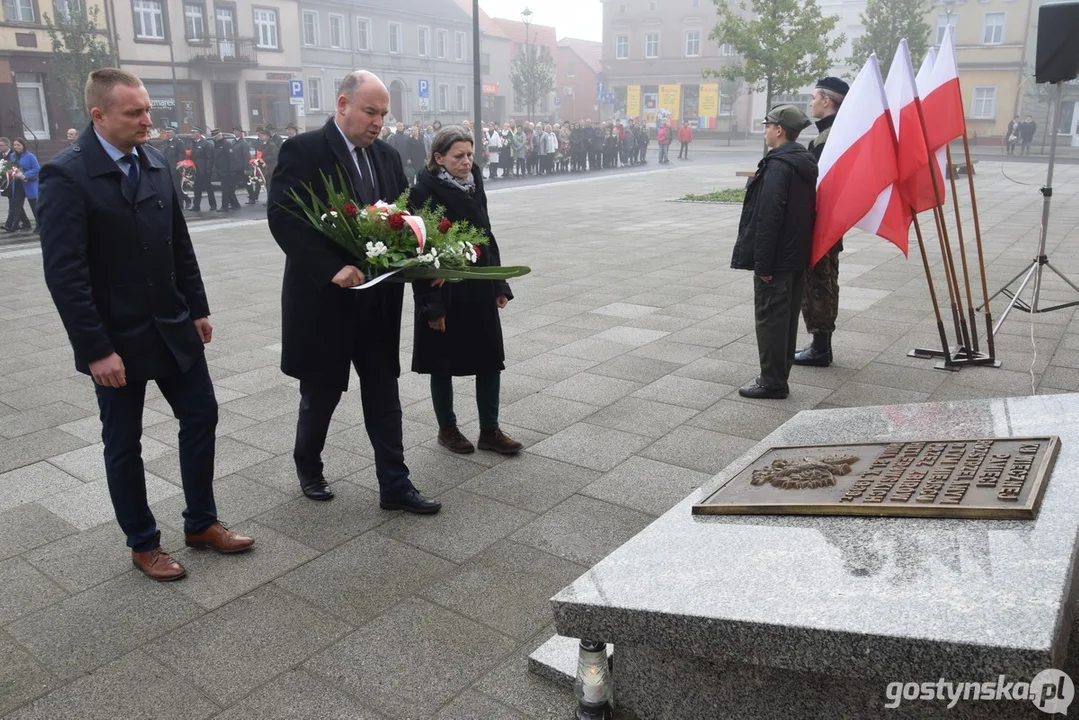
pixel 834 84
pixel 789 117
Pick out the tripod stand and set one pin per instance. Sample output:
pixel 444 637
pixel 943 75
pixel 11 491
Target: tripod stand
pixel 1034 270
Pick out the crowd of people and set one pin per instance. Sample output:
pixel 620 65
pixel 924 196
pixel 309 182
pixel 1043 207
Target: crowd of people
pixel 515 150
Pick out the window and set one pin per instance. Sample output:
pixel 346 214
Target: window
pixel 19 10
pixel 443 43
pixel 226 31
pixel 266 28
pixel 693 43
pixel 336 87
pixel 363 34
pixel 651 6
pixel 459 45
pixel 395 37
pixel 194 24
pixel 651 45
pixel 314 92
pixel 67 8
pixel 726 104
pixel 149 20
pixel 310 27
pixel 31 93
pixel 994 29
pixel 423 39
pixel 461 98
pixel 443 98
pixel 621 47
pixel 985 103
pixel 337 31
pixel 727 50
pixel 622 8
pixel 943 21
pixel 696 3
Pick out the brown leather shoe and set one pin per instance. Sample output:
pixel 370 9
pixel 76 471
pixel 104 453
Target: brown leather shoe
pixel 452 439
pixel 158 565
pixel 220 538
pixel 498 441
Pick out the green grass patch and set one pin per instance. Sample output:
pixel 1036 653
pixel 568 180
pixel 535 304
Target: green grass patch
pixel 729 195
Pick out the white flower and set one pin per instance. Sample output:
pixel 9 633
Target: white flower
pixel 376 249
pixel 437 264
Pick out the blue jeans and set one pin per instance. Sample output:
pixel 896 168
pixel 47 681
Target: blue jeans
pixel 191 397
pixel 663 150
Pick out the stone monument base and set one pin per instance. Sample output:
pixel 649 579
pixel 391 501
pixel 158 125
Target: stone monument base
pixel 812 617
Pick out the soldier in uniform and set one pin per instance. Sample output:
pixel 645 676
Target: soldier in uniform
pixel 820 299
pixel 241 163
pixel 203 155
pixel 174 151
pixel 224 166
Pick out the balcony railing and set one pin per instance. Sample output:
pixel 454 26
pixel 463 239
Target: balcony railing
pixel 224 51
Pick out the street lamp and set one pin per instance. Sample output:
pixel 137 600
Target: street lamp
pixel 526 18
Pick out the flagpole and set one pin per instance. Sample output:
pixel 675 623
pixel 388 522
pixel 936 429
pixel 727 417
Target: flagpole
pixel 962 336
pixel 973 347
pixel 945 256
pixel 932 289
pixel 989 342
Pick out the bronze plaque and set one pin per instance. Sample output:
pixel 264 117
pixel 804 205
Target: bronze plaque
pixel 1002 478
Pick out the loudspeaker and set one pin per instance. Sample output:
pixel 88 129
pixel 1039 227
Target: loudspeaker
pixel 1058 43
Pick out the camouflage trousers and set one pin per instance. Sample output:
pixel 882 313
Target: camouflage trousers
pixel 820 297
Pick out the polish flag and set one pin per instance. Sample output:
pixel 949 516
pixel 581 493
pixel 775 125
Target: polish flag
pixel 925 197
pixel 858 162
pixel 891 216
pixel 942 110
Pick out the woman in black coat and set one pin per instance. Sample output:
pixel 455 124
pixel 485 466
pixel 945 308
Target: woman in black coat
pixel 458 332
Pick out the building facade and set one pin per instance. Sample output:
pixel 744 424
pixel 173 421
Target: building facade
pixel 497 89
pixel 212 63
pixel 579 80
pixel 654 53
pixel 34 103
pixel 991 44
pixel 421 49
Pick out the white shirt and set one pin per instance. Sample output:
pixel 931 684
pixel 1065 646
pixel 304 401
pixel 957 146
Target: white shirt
pixel 355 158
pixel 115 153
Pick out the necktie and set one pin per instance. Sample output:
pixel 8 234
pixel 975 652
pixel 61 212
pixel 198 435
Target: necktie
pixel 133 174
pixel 369 190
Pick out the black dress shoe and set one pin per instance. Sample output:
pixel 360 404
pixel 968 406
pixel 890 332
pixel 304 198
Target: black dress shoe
pixel 413 502
pixel 315 486
pixel 760 392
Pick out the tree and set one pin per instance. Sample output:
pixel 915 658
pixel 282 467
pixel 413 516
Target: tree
pixel 886 23
pixel 532 74
pixel 784 45
pixel 79 46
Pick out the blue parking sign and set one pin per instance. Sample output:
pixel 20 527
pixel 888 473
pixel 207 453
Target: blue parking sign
pixel 295 89
pixel 424 87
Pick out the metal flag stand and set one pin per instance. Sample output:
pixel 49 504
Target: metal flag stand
pixel 1034 269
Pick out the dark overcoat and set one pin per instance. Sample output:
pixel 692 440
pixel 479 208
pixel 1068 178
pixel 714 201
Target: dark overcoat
pixel 322 325
pixel 119 263
pixel 472 343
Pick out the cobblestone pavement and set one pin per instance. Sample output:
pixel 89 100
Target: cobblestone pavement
pixel 626 346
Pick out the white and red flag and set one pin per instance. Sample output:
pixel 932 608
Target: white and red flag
pixel 858 162
pixel 926 197
pixel 891 216
pixel 942 110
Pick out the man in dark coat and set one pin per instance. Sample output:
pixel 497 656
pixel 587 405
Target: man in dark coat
pixel 121 269
pixel 820 301
pixel 240 156
pixel 267 151
pixel 202 153
pixel 325 324
pixel 774 239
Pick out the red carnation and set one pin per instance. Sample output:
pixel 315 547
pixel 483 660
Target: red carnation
pixel 444 226
pixel 351 210
pixel 396 221
pixel 477 249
